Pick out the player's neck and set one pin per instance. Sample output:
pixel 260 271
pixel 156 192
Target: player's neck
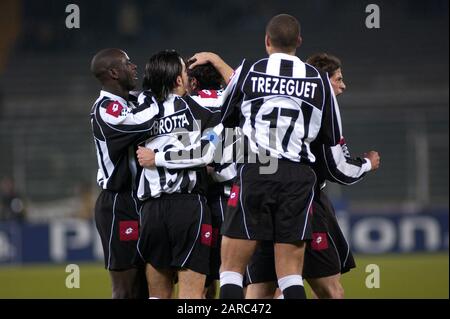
pixel 273 50
pixel 116 90
pixel 179 91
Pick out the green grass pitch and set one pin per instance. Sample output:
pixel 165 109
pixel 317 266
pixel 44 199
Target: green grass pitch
pixel 401 276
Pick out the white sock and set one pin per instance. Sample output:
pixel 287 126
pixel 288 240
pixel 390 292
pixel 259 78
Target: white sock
pixel 291 280
pixel 153 298
pixel 231 278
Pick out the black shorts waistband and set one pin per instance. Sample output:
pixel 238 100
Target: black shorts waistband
pixel 180 196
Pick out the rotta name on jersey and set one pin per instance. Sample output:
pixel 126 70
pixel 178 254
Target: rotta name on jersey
pixel 179 120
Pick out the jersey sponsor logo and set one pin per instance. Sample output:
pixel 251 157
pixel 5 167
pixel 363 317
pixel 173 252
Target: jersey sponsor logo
pixel 128 230
pixel 114 108
pixel 234 196
pixel 319 241
pixel 206 235
pixel 208 94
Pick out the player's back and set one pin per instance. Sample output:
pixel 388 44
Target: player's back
pixel 180 124
pixel 281 105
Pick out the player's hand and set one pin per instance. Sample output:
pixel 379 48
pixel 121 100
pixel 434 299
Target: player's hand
pixel 374 159
pixel 203 58
pixel 209 170
pixel 146 157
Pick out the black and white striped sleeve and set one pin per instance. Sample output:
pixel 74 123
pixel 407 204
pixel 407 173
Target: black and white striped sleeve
pixel 231 106
pixel 341 167
pixel 198 154
pixel 120 120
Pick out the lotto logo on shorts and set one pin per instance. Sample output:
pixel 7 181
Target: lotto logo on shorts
pixel 129 230
pixel 114 108
pixel 233 200
pixel 206 235
pixel 319 241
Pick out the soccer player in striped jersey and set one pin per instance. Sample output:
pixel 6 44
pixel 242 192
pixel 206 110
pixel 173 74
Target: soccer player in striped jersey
pixel 281 105
pixel 328 255
pixel 205 79
pixel 176 229
pixel 117 126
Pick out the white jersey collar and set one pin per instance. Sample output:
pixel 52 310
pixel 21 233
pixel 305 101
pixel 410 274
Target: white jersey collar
pixel 284 56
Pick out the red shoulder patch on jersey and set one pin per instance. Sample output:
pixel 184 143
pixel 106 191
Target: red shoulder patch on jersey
pixel 114 108
pixel 208 94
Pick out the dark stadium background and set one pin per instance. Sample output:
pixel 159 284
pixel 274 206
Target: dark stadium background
pixel 396 103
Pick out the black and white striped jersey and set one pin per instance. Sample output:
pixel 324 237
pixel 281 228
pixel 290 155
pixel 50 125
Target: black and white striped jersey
pixel 282 105
pixel 334 163
pixel 225 163
pixel 184 139
pixel 117 127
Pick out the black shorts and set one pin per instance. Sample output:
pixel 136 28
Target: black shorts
pixel 328 253
pixel 176 232
pixel 271 206
pixel 117 222
pixel 217 205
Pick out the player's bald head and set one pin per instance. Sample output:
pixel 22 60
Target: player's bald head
pixel 283 31
pixel 104 60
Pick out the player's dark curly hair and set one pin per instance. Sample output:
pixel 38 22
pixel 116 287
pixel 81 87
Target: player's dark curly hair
pixel 208 78
pixel 161 72
pixel 325 62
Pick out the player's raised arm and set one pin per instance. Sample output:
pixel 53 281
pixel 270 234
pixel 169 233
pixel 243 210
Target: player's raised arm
pixel 208 57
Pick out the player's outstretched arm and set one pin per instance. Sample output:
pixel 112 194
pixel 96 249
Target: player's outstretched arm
pixel 198 154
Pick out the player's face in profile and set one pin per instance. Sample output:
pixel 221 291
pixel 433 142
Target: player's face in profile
pixel 337 82
pixel 128 72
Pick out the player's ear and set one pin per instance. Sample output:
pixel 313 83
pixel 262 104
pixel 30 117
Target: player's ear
pixel 179 80
pixel 268 44
pixel 193 84
pixel 299 41
pixel 113 73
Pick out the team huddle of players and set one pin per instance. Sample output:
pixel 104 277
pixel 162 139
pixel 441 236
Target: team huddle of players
pixel 187 196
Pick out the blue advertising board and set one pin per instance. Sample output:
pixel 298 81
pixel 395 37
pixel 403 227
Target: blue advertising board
pixel 68 240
